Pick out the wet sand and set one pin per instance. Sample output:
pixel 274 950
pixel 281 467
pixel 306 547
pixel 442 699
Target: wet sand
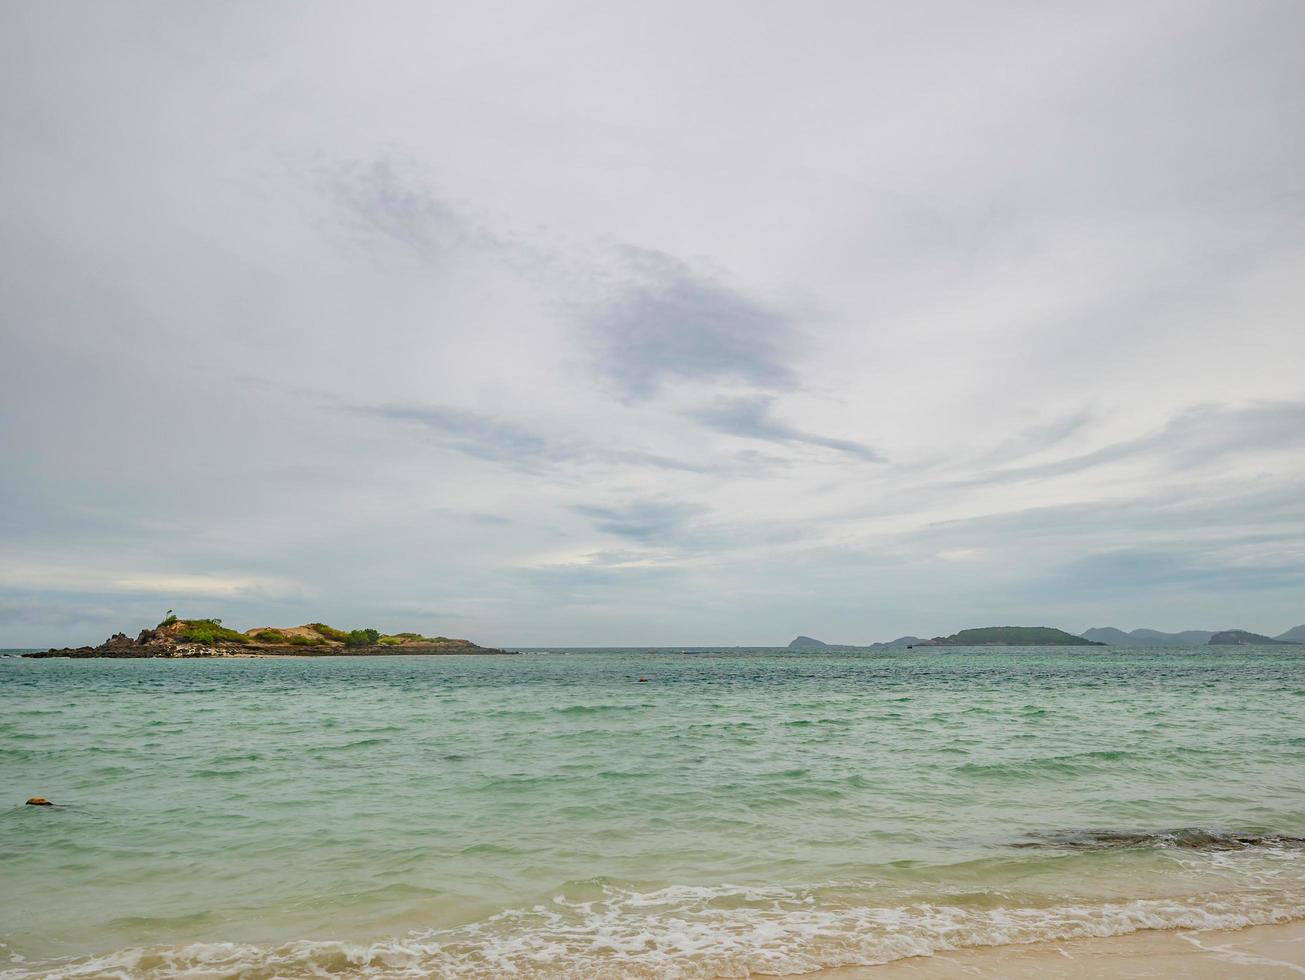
pixel 1256 953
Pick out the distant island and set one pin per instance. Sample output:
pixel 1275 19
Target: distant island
pixel 1046 636
pixel 809 643
pixel 1011 636
pixel 1148 638
pixel 1242 638
pixel 987 636
pixel 189 638
pixel 1192 638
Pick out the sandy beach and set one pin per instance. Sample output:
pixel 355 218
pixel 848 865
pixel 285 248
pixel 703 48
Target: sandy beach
pixel 1256 953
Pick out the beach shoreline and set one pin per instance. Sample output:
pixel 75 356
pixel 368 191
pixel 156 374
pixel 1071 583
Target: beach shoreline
pixel 1253 953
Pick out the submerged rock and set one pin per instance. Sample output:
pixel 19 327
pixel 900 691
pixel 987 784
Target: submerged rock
pixel 1189 838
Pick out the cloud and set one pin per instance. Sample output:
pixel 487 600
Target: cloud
pixel 49 611
pixel 500 440
pixel 1176 568
pixel 102 581
pixel 473 433
pixel 645 521
pixel 1198 436
pixel 1039 438
pixel 749 417
pixel 377 202
pixel 669 323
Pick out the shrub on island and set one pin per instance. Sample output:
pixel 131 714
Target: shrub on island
pixel 207 632
pixel 362 638
pixel 330 632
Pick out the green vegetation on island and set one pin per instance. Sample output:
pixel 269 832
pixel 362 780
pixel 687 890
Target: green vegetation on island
pixel 175 637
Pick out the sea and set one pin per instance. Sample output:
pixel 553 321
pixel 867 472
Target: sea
pixel 637 813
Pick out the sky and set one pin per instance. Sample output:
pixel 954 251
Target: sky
pixel 582 323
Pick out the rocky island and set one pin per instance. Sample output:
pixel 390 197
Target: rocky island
pixel 188 638
pixel 1010 636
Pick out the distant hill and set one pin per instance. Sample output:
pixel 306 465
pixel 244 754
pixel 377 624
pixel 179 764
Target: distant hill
pixel 1110 636
pixel 1185 638
pixel 1011 636
pixel 901 643
pixel 811 643
pixel 1148 638
pixel 1244 638
pixel 1006 636
pixel 807 643
pixel 1294 635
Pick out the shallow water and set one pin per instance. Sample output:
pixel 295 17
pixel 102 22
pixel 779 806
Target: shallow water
pixel 551 814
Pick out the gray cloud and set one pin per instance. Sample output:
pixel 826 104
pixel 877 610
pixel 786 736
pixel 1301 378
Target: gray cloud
pixel 750 417
pixel 473 433
pixel 645 521
pixel 377 202
pixel 50 611
pixel 1179 568
pixel 499 440
pixel 670 323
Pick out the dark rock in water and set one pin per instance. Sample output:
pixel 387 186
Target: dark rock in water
pixel 1189 838
pixel 39 801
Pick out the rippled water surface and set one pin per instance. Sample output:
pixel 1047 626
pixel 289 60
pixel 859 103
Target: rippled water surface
pixel 551 814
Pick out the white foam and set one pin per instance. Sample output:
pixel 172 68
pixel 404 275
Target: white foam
pixel 682 932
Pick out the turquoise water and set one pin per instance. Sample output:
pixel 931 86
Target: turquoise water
pixel 552 815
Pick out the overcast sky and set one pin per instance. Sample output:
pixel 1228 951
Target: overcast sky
pixel 652 323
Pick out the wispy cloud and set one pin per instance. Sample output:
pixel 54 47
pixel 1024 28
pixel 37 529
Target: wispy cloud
pixel 750 417
pixel 473 433
pixel 378 202
pixel 1197 436
pixel 645 521
pixel 501 440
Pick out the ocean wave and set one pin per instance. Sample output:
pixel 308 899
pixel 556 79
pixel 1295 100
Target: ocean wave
pixel 1048 767
pixel 682 932
pixel 599 709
